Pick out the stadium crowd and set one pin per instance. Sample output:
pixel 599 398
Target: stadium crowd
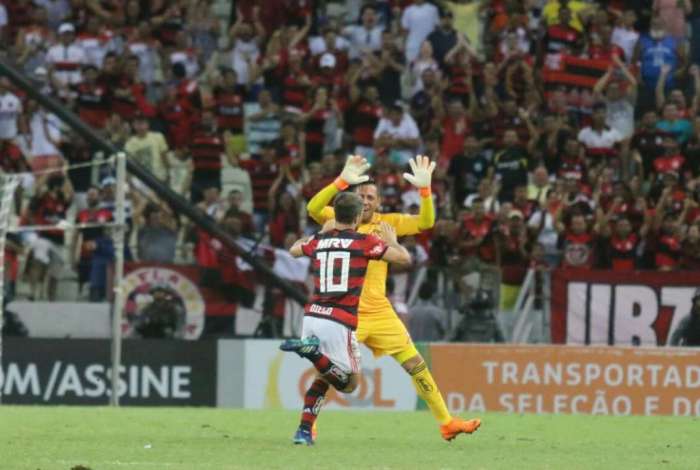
pixel 566 132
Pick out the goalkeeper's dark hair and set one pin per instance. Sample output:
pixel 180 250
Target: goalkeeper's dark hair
pixel 369 182
pixel 348 207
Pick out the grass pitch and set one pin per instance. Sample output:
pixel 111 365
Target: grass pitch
pixel 48 438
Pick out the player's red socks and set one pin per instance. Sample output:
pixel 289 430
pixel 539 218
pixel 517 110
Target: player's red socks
pixel 332 373
pixel 312 403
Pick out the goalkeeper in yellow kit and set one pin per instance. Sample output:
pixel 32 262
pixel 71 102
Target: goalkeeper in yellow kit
pixel 379 328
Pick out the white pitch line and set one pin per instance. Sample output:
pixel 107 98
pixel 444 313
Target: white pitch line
pixel 117 462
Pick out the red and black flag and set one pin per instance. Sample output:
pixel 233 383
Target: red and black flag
pixel 573 72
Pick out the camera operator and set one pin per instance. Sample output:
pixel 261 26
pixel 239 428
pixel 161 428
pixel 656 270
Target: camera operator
pixel 478 323
pixel 163 317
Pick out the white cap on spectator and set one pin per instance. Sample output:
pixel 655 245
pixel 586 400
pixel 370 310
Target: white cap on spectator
pixel 515 213
pixel 66 28
pixel 108 181
pixel 327 60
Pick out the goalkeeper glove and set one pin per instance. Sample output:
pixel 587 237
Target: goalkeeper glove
pixel 353 172
pixel 422 169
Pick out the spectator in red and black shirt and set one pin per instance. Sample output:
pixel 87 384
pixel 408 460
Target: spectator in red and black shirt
pixel 456 125
pixel 296 82
pixel 292 147
pixel 577 242
pixel 207 150
pixel 264 170
pixel 389 179
pixel 667 235
pixel 315 118
pixel 667 246
pixel 284 212
pixel 229 98
pixel 11 158
pixel 178 118
pixel 20 14
pixel 512 248
pixel 560 38
pixel 670 161
pixel 363 115
pixel 92 101
pixel 459 72
pixel 128 97
pixel 508 117
pixel 526 206
pixel 476 237
pixel 621 242
pixel 603 48
pixel 48 207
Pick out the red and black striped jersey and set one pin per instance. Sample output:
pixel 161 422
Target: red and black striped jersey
pixel 11 158
pixel 294 90
pixel 315 125
pixel 364 118
pixel 473 229
pixel 49 209
pixel 458 84
pixel 561 38
pixel 92 104
pixel 669 164
pixel 127 106
pixel 206 148
pixel 262 176
pixel 623 252
pixel 228 103
pixel 668 251
pixel 339 263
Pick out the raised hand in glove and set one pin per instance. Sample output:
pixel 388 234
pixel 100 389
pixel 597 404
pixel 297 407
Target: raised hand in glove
pixel 422 169
pixel 353 172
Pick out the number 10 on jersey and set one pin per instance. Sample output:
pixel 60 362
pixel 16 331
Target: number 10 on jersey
pixel 328 271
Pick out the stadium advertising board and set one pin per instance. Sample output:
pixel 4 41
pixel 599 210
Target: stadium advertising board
pixel 568 379
pixel 615 308
pixel 275 379
pixel 77 372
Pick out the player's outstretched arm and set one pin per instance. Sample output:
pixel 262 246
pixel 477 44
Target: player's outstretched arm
pixel 353 173
pixel 297 250
pixel 395 253
pixel 422 171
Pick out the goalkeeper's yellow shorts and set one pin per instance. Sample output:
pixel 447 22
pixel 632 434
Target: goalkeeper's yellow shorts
pixel 385 334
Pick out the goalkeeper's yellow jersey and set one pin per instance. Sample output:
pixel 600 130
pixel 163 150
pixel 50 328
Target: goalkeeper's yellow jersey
pixel 373 297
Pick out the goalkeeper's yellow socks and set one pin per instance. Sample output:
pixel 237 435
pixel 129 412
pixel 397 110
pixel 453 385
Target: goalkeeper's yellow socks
pixel 428 390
